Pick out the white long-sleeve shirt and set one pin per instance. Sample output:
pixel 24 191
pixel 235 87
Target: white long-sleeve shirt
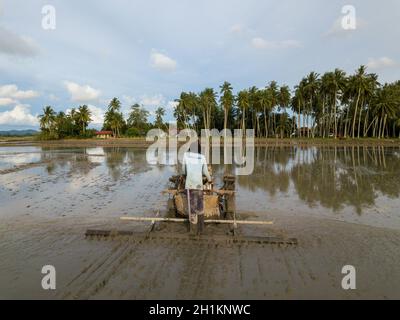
pixel 194 166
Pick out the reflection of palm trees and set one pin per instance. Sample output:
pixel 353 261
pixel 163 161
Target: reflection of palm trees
pixel 269 171
pixel 329 176
pixel 115 157
pixel 77 161
pixel 136 159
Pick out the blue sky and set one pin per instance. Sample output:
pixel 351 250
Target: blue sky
pixel 150 51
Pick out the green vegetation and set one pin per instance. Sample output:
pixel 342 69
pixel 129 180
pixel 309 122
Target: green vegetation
pixel 331 105
pixel 74 124
pixel 61 125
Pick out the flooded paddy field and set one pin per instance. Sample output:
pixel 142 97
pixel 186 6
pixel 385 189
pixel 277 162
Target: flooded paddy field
pixel 340 202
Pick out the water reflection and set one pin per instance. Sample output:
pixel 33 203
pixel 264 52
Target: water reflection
pixel 333 177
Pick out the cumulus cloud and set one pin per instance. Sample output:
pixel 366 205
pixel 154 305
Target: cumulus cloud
pixel 155 100
pixel 97 114
pixel 260 43
pixel 7 101
pixel 11 91
pixel 53 97
pixel 128 100
pixel 19 115
pixel 171 105
pixel 381 63
pixel 16 45
pixel 162 62
pixel 82 93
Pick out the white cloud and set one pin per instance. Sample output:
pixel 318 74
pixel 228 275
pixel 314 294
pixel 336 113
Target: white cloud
pixel 19 115
pixel 155 100
pixel 97 114
pixel 53 97
pixel 128 100
pixel 83 93
pixel 171 105
pixel 14 44
pixel 260 43
pixel 7 101
pixel 162 62
pixel 380 63
pixel 11 91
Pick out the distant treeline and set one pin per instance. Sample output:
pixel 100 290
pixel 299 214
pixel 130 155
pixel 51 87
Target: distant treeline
pixel 330 105
pixel 18 133
pixel 74 123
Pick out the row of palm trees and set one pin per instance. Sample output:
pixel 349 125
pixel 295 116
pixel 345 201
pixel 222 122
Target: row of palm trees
pixel 59 125
pixel 75 122
pixel 332 105
pixel 136 124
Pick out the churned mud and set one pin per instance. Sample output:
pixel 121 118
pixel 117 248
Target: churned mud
pixel 341 204
pixel 122 268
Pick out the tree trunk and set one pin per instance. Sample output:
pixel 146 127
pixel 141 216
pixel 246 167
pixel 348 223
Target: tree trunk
pixel 265 122
pixel 355 112
pixel 225 118
pixel 359 121
pixel 380 127
pixel 244 123
pixel 334 113
pixel 384 125
pixel 366 123
pixel 299 121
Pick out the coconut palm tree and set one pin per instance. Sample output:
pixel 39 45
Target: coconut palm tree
pixel 208 104
pixel 273 92
pixel 226 100
pixel 243 103
pixel 384 106
pixel 338 85
pixel 359 85
pixel 296 108
pixel 311 90
pixel 113 119
pixel 372 84
pixel 265 101
pixel 300 101
pixel 160 112
pixel 84 117
pixel 252 109
pixel 283 102
pixel 324 92
pixel 181 110
pixel 192 108
pixel 47 119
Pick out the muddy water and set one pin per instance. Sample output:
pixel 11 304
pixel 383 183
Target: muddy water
pixel 347 183
pixel 342 203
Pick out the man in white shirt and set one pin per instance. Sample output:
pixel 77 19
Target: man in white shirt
pixel 194 166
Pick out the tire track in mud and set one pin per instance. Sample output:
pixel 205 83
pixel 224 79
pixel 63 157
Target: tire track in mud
pixel 165 258
pixel 194 258
pixel 97 274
